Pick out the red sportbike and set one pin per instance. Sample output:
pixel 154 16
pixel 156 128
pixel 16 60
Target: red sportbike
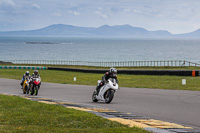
pixel 35 86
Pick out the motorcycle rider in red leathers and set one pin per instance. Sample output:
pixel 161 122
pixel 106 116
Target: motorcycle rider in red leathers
pixel 35 75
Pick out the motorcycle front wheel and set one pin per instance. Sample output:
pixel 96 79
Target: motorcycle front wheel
pixel 27 90
pixel 36 90
pixel 24 90
pixel 94 97
pixel 32 90
pixel 109 96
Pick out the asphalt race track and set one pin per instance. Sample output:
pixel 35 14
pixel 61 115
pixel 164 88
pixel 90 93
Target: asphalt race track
pixel 177 106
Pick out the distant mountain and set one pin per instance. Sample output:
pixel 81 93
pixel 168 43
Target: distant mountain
pixel 128 31
pixel 194 34
pixel 103 31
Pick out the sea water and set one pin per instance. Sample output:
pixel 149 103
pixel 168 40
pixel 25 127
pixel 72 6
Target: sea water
pixel 99 49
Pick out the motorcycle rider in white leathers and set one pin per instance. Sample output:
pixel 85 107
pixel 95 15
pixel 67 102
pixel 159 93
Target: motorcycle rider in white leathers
pixel 112 73
pixel 25 76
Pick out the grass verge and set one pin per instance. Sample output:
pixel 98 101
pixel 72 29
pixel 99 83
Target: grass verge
pixel 125 80
pixel 21 115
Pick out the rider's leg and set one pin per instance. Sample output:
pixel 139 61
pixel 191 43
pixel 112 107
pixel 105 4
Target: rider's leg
pixel 98 87
pixel 39 85
pixel 31 86
pixel 21 84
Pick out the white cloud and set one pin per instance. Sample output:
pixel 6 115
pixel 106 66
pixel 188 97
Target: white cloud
pixel 101 14
pixel 137 11
pixel 57 14
pixel 100 8
pixel 7 2
pixel 126 9
pixel 36 6
pixel 74 12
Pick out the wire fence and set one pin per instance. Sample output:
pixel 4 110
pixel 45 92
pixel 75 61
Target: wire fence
pixel 168 63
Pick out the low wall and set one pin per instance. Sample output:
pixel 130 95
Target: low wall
pixel 23 67
pixel 136 72
pixel 162 72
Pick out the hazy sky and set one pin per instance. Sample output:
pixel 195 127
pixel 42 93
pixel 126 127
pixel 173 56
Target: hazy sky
pixel 176 16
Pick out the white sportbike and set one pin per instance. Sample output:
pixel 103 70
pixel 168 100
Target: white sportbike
pixel 106 92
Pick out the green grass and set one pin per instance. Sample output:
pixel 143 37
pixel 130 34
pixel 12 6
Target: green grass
pixel 19 115
pixel 125 80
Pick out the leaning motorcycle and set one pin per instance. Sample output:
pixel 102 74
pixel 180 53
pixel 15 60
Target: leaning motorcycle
pixel 106 92
pixel 25 88
pixel 35 86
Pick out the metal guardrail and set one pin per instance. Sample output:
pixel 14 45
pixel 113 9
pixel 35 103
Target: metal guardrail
pixel 170 63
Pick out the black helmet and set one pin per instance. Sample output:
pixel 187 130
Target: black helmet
pixel 35 72
pixel 113 71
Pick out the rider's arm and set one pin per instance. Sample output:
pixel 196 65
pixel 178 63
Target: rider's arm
pixel 31 77
pixel 23 77
pixel 105 77
pixel 116 79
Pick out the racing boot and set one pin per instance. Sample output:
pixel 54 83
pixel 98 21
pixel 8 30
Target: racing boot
pixel 21 85
pixel 97 90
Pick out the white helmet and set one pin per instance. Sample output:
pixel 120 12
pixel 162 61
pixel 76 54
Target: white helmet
pixel 113 71
pixel 35 72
